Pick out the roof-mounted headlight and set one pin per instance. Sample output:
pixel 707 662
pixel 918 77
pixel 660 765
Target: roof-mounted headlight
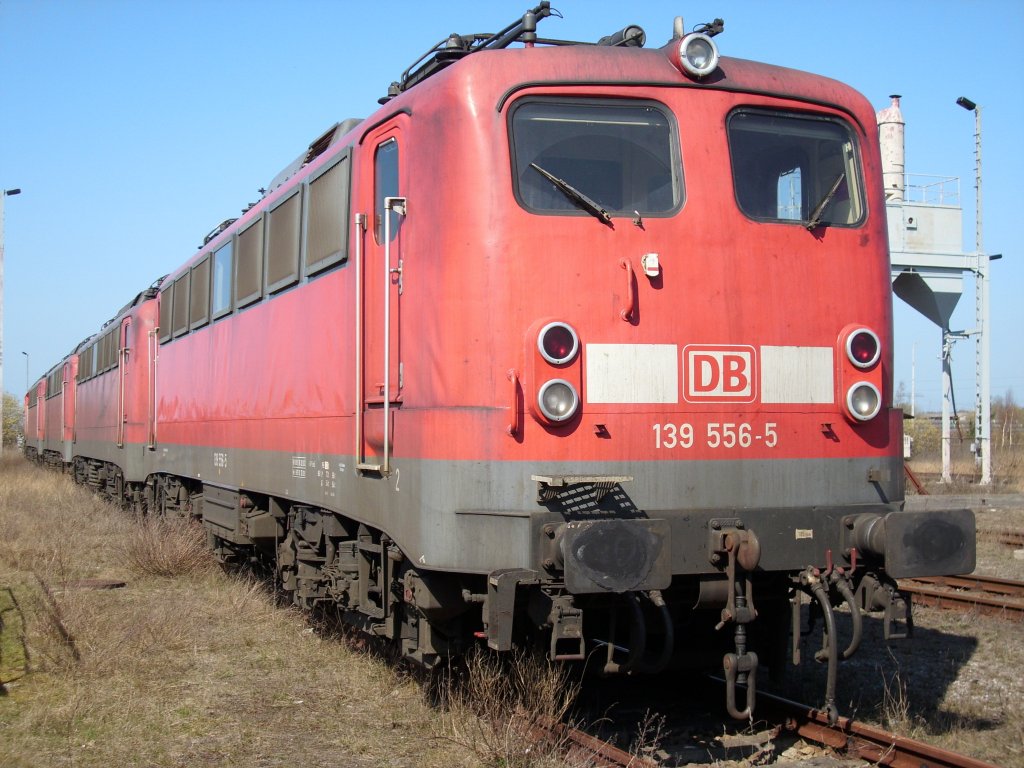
pixel 698 55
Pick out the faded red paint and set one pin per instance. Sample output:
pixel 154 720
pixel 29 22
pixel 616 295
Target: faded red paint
pixel 480 273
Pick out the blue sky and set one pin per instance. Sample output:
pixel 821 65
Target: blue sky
pixel 133 128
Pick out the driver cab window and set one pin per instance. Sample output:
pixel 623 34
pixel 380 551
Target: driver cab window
pixel 620 157
pixel 795 168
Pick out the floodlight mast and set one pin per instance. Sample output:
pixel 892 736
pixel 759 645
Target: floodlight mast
pixel 982 356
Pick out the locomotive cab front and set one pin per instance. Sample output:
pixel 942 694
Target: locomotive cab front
pixel 700 402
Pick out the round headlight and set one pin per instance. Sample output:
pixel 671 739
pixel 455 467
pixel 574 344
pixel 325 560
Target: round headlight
pixel 698 54
pixel 558 343
pixel 863 401
pixel 863 348
pixel 557 400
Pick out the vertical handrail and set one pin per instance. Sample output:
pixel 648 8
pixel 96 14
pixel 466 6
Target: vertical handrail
pixel 63 402
pixel 513 428
pixel 386 464
pixel 120 394
pixel 396 204
pixel 627 313
pixel 360 222
pixel 63 411
pixel 151 354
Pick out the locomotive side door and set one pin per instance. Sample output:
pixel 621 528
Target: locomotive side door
pixel 379 292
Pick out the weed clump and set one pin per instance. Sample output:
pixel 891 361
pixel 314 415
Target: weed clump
pixel 502 710
pixel 156 546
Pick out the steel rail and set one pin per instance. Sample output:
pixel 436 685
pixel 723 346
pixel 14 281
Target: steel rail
pixel 603 753
pixel 989 584
pixel 985 603
pixel 863 741
pixel 915 480
pixel 1007 538
pixel 599 753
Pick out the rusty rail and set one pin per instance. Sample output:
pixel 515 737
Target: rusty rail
pixel 914 480
pixel 604 754
pixel 989 596
pixel 1007 538
pixel 599 753
pixel 860 740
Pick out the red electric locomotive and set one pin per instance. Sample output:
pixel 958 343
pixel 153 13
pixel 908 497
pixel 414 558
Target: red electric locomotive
pixel 570 345
pixel 50 415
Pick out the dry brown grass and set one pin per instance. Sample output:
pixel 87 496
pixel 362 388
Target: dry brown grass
pixel 198 668
pixel 895 712
pixel 1007 469
pixel 53 528
pixel 497 710
pixel 1008 465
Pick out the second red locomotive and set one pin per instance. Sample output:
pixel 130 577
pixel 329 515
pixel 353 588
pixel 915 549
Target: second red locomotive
pixel 580 346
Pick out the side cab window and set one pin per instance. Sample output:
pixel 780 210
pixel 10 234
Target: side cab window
pixel 385 185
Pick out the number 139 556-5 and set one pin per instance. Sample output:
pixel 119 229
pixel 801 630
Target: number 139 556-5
pixel 716 435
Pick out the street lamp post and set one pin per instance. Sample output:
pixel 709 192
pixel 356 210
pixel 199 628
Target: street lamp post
pixel 27 380
pixel 982 360
pixel 6 192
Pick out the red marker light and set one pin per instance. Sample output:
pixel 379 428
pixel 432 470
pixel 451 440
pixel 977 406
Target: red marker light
pixel 558 343
pixel 863 348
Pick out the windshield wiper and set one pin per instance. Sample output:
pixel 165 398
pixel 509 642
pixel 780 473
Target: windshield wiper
pixel 581 200
pixel 815 218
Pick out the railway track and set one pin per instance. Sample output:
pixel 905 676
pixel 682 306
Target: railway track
pixel 979 500
pixel 597 752
pixel 988 596
pixel 1007 538
pixel 855 739
pixel 847 737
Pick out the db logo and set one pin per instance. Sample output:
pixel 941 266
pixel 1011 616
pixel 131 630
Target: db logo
pixel 719 374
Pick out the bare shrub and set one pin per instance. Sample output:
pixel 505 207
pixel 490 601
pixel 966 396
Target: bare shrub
pixel 926 434
pixel 500 710
pixel 155 546
pixel 1008 466
pixel 649 735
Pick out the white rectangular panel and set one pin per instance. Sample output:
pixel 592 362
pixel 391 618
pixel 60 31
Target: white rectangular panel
pixel 632 373
pixel 797 375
